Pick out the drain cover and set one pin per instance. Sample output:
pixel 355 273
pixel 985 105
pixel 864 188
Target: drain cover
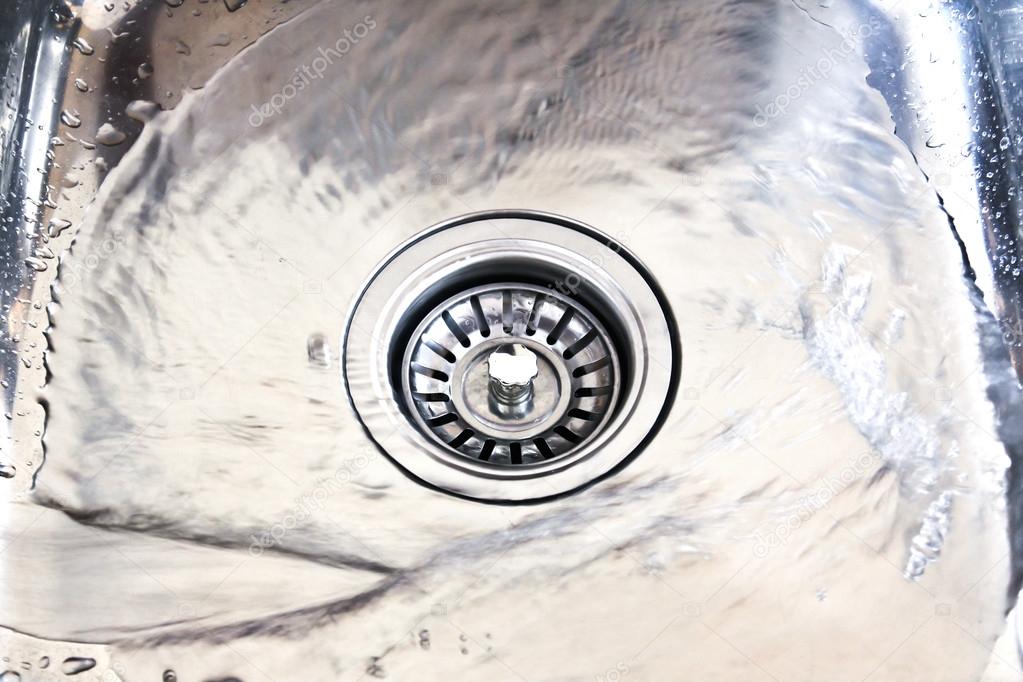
pixel 510 356
pixel 466 381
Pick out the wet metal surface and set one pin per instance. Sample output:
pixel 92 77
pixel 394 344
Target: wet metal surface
pixel 188 492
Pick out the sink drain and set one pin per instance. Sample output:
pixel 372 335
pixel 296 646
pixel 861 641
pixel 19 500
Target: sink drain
pixel 510 356
pixel 467 389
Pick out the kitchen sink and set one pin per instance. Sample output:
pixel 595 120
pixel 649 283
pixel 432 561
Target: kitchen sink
pixel 511 340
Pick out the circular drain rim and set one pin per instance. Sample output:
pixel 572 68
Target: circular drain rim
pixel 450 341
pixel 494 246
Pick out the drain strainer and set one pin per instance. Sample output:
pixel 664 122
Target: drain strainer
pixel 510 356
pixel 511 374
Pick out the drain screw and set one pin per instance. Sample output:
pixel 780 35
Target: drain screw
pixel 512 369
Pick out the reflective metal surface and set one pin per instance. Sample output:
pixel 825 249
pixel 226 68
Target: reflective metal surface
pixel 195 194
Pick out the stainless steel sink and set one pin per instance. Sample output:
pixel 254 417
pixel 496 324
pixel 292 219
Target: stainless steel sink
pixel 515 340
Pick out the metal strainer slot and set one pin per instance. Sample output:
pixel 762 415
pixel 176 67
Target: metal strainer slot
pixel 510 356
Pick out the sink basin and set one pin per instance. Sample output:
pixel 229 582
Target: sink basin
pixel 267 266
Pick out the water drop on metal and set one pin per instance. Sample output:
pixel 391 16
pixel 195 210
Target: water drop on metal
pixel 70 118
pixel 109 135
pixel 57 227
pixel 83 46
pixel 142 110
pixel 77 664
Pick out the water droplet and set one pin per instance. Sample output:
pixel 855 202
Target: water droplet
pixel 44 662
pixel 174 3
pixel 57 227
pixel 170 676
pixel 83 46
pixel 77 664
pixel 70 118
pixel 142 110
pixel 1003 143
pixel 7 471
pixel 10 676
pixel 145 70
pixel 81 85
pixel 62 14
pixel 109 135
pixel 234 5
pixel 37 264
pixel 182 48
pixel 220 40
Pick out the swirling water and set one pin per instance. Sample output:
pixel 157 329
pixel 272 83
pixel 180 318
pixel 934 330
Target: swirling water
pixel 823 502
